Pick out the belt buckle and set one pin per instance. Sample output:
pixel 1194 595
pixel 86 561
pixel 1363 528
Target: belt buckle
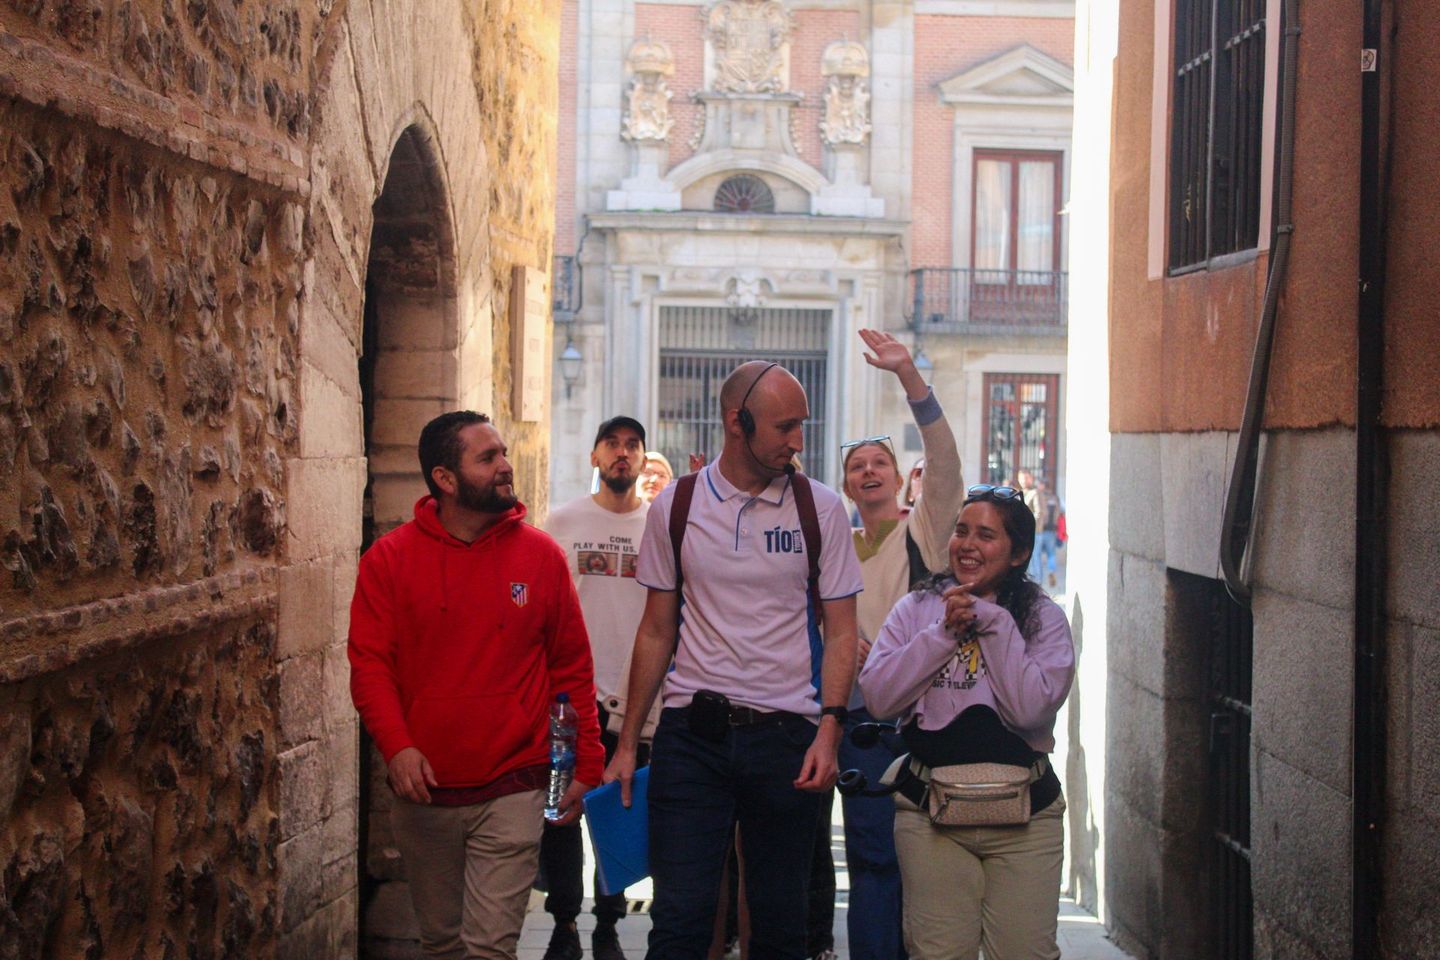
pixel 743 716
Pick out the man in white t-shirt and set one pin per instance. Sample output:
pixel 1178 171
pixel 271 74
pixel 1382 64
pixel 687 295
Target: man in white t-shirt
pixel 600 535
pixel 756 698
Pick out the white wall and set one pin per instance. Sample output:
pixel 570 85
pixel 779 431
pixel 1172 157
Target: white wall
pixel 1087 419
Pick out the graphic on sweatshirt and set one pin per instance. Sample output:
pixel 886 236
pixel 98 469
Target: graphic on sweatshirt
pixel 968 656
pixel 520 594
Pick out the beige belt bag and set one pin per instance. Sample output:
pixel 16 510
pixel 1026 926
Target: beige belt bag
pixel 979 794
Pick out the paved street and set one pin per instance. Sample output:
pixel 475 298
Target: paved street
pixel 1082 937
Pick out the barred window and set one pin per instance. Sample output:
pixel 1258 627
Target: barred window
pixel 1217 109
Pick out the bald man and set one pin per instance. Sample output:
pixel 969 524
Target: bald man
pixel 755 701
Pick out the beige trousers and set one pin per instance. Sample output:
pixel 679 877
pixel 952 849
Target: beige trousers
pixel 470 871
pixel 973 887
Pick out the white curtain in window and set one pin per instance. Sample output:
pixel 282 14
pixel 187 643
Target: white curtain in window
pixel 1036 251
pixel 992 219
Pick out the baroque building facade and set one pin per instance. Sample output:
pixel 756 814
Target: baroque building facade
pixel 757 178
pixel 246 251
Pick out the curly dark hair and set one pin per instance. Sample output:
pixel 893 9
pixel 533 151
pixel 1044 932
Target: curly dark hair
pixel 1017 593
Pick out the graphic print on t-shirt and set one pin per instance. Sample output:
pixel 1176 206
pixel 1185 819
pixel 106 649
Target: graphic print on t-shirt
pixel 616 558
pixel 970 658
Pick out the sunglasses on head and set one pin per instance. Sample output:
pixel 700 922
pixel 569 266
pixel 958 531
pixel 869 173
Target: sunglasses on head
pixel 988 491
pixel 852 444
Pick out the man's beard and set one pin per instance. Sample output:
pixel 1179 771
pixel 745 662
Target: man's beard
pixel 620 483
pixel 483 499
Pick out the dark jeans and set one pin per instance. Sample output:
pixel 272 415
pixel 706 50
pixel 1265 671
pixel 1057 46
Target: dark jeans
pixel 874 918
pixel 820 923
pixel 698 790
pixel 562 860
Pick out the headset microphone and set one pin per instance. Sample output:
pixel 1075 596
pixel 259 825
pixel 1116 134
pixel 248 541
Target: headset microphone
pixel 746 418
pixel 747 427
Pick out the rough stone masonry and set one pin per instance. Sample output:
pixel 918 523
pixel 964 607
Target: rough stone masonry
pixel 187 193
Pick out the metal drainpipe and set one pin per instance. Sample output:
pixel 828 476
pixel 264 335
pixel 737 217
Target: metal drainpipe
pixel 1372 468
pixel 1240 493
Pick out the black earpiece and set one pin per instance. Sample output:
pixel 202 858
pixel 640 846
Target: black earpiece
pixel 746 418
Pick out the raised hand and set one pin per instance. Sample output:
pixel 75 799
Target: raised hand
pixel 890 354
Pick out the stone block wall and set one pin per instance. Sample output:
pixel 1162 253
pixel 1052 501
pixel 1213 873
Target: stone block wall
pixel 186 227
pixel 1167 497
pixel 150 282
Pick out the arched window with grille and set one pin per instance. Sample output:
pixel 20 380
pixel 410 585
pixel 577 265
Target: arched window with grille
pixel 744 194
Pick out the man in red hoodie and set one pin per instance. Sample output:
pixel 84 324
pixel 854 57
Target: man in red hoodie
pixel 464 627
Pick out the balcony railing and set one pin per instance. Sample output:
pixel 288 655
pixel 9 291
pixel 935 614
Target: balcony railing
pixel 990 301
pixel 564 288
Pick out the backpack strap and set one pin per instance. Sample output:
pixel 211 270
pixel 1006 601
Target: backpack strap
pixel 919 570
pixel 679 516
pixel 810 527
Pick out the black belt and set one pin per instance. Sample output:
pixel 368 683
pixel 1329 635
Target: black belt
pixel 750 717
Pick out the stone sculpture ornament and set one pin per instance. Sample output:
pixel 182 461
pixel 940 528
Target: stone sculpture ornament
pixel 845 65
pixel 750 40
pixel 647 114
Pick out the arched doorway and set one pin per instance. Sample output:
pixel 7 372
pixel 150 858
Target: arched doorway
pixel 407 376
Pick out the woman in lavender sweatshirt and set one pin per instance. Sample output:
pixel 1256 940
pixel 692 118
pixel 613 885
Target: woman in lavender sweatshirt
pixel 980 636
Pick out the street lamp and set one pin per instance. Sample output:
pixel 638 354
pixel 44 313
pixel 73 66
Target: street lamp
pixel 923 366
pixel 571 360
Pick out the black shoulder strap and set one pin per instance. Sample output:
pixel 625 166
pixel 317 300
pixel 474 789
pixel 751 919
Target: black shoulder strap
pixel 679 515
pixel 918 570
pixel 810 527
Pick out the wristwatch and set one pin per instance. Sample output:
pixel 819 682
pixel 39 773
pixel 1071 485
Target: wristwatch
pixel 839 713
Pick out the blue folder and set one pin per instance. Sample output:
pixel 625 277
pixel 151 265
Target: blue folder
pixel 620 836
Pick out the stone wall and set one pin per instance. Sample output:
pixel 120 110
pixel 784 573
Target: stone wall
pixel 189 197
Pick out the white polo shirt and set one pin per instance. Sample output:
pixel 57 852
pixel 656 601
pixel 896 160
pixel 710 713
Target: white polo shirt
pixel 747 629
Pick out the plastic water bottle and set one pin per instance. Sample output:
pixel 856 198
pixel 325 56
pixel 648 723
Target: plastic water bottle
pixel 562 753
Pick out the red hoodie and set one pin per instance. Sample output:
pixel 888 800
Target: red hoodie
pixel 459 649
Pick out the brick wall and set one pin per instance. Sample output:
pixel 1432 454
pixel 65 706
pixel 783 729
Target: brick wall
pixel 680 28
pixel 814 30
pixel 944 47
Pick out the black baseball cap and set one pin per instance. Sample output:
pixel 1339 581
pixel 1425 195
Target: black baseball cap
pixel 615 423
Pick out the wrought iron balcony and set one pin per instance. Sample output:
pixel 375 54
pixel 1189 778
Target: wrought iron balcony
pixel 564 288
pixel 990 301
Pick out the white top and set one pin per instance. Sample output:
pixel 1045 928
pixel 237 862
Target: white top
pixel 746 626
pixel 887 570
pixel 919 669
pixel 602 548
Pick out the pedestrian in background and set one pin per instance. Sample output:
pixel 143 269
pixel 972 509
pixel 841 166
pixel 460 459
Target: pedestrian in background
pixel 463 628
pixel 1035 501
pixel 655 475
pixel 600 534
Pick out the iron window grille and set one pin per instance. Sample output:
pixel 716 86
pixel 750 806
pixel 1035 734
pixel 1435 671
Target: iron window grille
pixel 1022 425
pixel 744 194
pixel 1217 112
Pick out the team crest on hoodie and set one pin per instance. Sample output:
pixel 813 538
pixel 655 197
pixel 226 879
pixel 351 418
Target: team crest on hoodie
pixel 519 594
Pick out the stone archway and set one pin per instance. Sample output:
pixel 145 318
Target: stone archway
pixel 408 372
pixel 411 324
